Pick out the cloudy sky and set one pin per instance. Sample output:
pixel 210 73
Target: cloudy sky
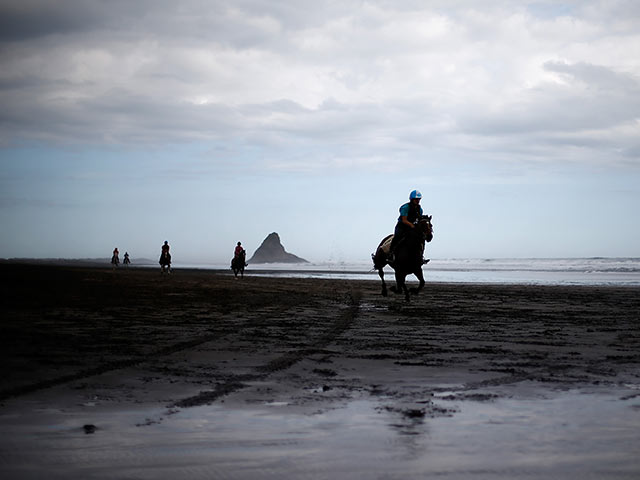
pixel 208 122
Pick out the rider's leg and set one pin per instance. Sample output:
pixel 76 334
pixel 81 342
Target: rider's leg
pixel 397 236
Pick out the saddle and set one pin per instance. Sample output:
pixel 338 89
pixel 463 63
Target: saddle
pixel 385 244
pixel 385 247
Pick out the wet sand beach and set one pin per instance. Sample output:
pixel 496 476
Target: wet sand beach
pixel 132 374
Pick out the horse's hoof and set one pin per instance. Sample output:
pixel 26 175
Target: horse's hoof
pixel 384 293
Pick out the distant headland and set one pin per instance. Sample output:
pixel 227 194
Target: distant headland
pixel 272 251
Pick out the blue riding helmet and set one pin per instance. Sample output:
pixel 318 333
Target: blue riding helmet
pixel 415 194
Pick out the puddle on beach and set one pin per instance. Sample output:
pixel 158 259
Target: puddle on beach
pixel 568 434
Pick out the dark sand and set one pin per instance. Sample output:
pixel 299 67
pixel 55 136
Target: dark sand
pixel 199 375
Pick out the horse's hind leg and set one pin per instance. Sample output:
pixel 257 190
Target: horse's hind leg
pixel 384 285
pixel 379 261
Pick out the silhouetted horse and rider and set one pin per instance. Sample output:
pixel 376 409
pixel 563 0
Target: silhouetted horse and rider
pixel 165 259
pixel 239 261
pixel 404 250
pixel 115 259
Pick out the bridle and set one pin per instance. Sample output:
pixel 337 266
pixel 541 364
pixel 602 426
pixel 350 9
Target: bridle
pixel 425 228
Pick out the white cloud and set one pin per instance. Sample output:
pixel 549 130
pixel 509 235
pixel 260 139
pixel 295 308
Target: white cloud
pixel 362 78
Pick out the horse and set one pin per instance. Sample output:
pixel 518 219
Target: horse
pixel 115 261
pixel 408 257
pixel 165 262
pixel 238 264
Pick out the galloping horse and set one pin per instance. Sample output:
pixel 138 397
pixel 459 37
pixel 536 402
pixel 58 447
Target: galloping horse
pixel 408 257
pixel 238 264
pixel 165 262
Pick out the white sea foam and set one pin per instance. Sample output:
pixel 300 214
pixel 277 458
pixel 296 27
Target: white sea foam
pixel 538 271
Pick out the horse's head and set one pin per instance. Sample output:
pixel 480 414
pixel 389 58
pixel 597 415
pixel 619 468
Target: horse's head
pixel 425 227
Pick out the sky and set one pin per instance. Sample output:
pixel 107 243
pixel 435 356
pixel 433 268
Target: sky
pixel 125 124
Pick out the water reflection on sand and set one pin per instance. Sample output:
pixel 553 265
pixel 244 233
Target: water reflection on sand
pixel 561 434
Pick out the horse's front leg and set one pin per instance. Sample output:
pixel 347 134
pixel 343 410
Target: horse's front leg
pixel 420 278
pixel 384 285
pixel 401 286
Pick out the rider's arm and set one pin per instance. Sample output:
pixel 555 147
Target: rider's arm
pixel 406 222
pixel 404 213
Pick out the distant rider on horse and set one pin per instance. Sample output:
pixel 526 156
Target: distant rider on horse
pixel 238 251
pixel 165 249
pixel 239 260
pixel 165 256
pixel 410 213
pixel 115 260
pixel 239 255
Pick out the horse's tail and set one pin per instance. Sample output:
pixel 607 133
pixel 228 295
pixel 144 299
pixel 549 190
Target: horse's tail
pixel 380 256
pixel 379 259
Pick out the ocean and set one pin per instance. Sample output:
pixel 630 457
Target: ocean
pixel 527 271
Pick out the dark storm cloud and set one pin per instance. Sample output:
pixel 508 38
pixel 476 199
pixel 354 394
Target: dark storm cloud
pixel 32 19
pixel 184 20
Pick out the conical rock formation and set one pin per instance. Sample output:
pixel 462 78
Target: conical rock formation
pixel 272 251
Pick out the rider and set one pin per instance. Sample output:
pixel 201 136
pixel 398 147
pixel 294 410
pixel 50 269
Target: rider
pixel 238 249
pixel 114 258
pixel 165 251
pixel 165 257
pixel 239 252
pixel 410 213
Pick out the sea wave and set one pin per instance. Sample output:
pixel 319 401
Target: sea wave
pixel 622 271
pixel 584 265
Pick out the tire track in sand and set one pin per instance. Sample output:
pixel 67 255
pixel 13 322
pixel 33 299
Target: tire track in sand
pixel 125 362
pixel 106 367
pixel 341 323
